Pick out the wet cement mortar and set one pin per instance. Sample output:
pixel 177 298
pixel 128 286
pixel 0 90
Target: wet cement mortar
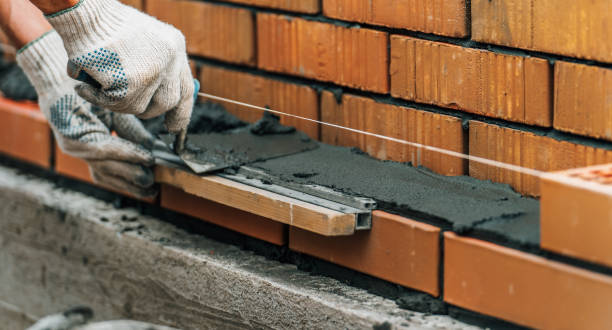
pixel 460 203
pixel 13 82
pixel 219 140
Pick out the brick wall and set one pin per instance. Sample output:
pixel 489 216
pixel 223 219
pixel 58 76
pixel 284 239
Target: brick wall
pixel 416 70
pixel 517 81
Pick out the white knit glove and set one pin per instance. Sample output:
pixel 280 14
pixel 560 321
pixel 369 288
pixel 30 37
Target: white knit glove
pixel 130 62
pixel 84 131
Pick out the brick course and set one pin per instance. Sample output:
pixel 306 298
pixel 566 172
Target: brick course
pixel 398 122
pixel 350 57
pixel 509 87
pixel 443 17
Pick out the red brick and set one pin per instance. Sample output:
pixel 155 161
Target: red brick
pixel 351 57
pixel 496 85
pixel 25 133
pixel 576 208
pixel 444 17
pixel 263 92
pixel 243 222
pixel 138 4
pixel 213 31
pixel 523 288
pixel 528 150
pixel 300 6
pixel 396 249
pixel 407 124
pixel 71 166
pixel 577 28
pixel 582 100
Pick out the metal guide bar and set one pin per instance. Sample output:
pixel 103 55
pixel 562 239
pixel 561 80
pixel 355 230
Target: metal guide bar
pixel 363 216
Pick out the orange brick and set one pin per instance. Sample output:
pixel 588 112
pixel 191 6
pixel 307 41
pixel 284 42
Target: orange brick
pixel 138 4
pixel 576 208
pixel 243 222
pixel 300 6
pixel 528 150
pixel 523 288
pixel 407 124
pixel 396 249
pixel 71 166
pixel 582 100
pixel 444 17
pixel 264 92
pixel 24 132
pixel 577 28
pixel 496 85
pixel 214 31
pixel 351 57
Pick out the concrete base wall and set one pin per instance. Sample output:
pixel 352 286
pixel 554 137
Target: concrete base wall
pixel 60 248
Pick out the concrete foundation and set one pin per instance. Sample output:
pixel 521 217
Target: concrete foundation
pixel 60 248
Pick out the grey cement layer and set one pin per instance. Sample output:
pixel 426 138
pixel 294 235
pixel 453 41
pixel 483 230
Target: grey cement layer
pixel 463 202
pixel 59 248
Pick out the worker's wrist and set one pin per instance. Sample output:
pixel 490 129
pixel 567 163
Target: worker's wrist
pixel 89 23
pixel 44 62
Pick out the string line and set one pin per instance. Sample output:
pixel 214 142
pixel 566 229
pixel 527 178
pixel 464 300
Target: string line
pixel 477 159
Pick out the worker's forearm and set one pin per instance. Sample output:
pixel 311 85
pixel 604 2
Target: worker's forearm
pixel 22 22
pixel 53 6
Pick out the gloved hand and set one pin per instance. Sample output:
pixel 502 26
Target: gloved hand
pixel 129 61
pixel 84 131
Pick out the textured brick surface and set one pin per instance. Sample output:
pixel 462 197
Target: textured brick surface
pixel 135 3
pixel 444 17
pixel 583 103
pixel 351 57
pixel 523 288
pixel 214 31
pixel 398 122
pixel 243 222
pixel 396 249
pixel 576 208
pixel 264 92
pixel 301 6
pixel 496 85
pixel 579 28
pixel 24 132
pixel 527 150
